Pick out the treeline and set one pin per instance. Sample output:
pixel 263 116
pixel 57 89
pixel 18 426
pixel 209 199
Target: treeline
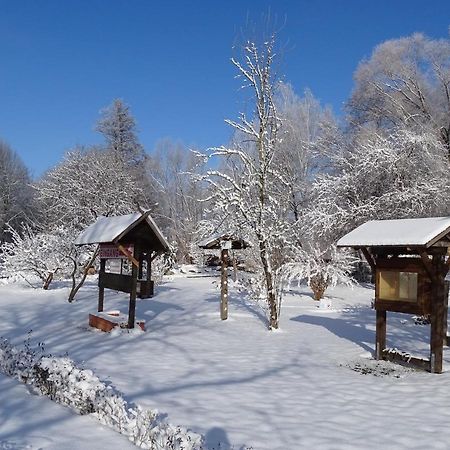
pixel 294 178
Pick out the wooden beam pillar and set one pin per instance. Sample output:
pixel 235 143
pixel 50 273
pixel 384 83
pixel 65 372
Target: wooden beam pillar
pixel 446 286
pixel 224 285
pixel 438 311
pixel 140 258
pixel 380 335
pixel 133 293
pixel 149 266
pixel 101 289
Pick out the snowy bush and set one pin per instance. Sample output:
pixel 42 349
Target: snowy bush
pixel 162 265
pixel 60 379
pixel 319 268
pixel 34 254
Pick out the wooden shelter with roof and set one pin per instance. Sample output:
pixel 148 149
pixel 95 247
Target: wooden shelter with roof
pixel 224 243
pixel 410 260
pixel 133 240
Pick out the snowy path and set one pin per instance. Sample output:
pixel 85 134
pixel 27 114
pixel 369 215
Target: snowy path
pixel 239 384
pixel 31 422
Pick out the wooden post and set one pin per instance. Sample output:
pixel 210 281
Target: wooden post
pixel 380 340
pixel 224 285
pixel 101 289
pixel 132 307
pixel 149 266
pixel 446 287
pixel 141 262
pixel 437 317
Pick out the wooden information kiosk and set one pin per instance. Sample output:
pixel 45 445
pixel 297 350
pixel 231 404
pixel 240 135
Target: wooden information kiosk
pixel 410 260
pixel 127 246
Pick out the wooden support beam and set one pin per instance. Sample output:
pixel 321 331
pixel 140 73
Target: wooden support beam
pixel 101 289
pixel 437 318
pixel 428 266
pixel 132 305
pixel 129 256
pixel 224 285
pixel 446 287
pixel 149 266
pixel 380 339
pixel 370 259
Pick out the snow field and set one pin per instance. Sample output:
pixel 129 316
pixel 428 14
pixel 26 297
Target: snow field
pixel 241 385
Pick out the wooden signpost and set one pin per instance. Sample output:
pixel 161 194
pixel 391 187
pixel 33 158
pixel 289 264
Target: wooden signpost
pixel 224 243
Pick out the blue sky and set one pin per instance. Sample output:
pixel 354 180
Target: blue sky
pixel 61 61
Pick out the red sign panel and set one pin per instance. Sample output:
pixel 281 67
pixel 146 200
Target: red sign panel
pixel 110 251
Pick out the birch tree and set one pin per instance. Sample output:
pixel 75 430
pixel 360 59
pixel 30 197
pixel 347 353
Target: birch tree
pixel 246 189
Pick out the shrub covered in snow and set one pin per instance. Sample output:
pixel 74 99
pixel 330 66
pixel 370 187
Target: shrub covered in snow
pixel 60 379
pixel 319 268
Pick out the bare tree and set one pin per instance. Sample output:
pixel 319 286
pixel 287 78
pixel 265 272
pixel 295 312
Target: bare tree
pixel 305 126
pixel 169 170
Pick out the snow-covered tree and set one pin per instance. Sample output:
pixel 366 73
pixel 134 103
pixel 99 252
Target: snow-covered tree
pixel 378 177
pixel 118 127
pixel 246 189
pixel 16 195
pixel 86 184
pixel 406 82
pixel 169 170
pixel 319 268
pixel 305 126
pixel 30 254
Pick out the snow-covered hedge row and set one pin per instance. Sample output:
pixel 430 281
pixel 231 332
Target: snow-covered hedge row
pixel 61 380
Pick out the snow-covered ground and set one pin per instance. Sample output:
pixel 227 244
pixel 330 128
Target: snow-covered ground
pixel 304 386
pixel 31 422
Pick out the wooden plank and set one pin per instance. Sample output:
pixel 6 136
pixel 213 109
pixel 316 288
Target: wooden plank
pixel 224 285
pixel 400 306
pixel 101 323
pixel 380 339
pixel 406 359
pixel 129 256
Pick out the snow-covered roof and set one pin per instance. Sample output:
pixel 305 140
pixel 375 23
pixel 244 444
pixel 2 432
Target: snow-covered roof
pixel 212 242
pixel 400 232
pixel 111 229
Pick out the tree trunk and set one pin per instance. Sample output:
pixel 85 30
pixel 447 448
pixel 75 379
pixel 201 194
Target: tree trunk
pixel 76 287
pixel 268 276
pixel 47 281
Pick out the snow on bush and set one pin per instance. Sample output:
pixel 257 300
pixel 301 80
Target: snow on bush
pixel 60 379
pixel 320 268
